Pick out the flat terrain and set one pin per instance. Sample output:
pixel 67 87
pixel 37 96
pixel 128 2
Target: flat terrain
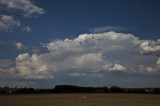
pixel 77 100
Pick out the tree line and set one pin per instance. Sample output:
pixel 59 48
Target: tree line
pixel 78 89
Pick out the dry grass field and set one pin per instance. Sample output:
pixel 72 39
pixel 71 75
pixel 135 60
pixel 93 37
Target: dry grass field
pixel 77 100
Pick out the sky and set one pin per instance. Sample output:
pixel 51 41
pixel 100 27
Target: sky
pixel 79 42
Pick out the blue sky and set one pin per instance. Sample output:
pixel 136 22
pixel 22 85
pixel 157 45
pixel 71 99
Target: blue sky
pixel 43 43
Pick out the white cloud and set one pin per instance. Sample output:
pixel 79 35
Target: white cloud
pixel 27 29
pixel 157 67
pixel 29 67
pixel 76 74
pixel 96 52
pixel 118 67
pixel 158 61
pixel 92 54
pixel 107 36
pixel 8 23
pixel 114 67
pixel 149 69
pixel 150 47
pixel 106 67
pixel 90 60
pixel 25 6
pixel 96 59
pixel 19 45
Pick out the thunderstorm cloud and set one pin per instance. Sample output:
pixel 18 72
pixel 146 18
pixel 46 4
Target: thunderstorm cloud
pixel 90 54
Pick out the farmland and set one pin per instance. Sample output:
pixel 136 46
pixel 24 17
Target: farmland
pixel 92 99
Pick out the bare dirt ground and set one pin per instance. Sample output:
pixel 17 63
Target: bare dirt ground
pixel 81 100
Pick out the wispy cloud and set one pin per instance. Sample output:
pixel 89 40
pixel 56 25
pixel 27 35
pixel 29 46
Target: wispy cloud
pixel 25 6
pixel 106 29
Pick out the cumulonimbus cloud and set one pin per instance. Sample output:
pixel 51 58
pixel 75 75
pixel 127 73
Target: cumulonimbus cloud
pixel 89 54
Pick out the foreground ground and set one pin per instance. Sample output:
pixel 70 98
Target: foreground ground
pixel 79 100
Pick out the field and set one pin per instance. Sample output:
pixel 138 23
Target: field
pixel 78 100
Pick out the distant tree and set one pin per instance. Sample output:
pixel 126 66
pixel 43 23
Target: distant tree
pixel 116 89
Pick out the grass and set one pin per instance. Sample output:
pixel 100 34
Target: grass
pixel 76 100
